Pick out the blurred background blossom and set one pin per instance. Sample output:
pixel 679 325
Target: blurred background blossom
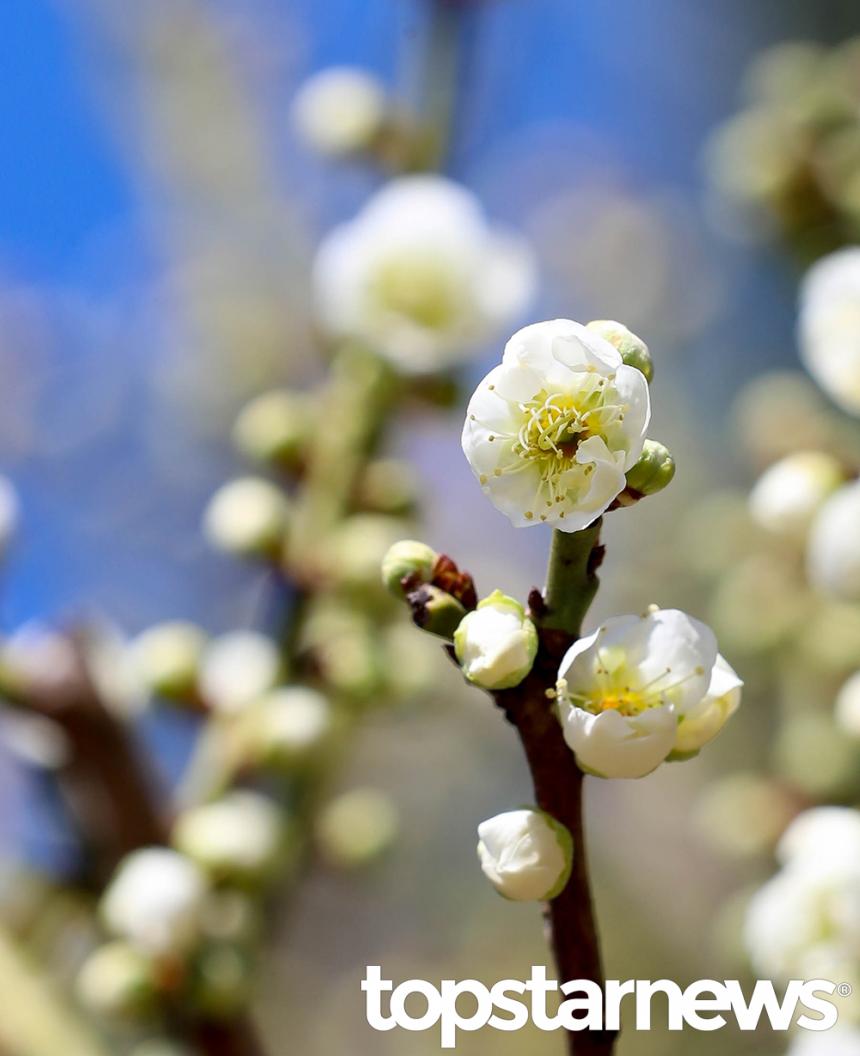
pixel 159 215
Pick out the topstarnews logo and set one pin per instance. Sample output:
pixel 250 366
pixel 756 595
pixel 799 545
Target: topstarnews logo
pixel 510 1003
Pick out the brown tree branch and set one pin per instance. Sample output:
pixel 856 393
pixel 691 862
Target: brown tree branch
pixel 557 780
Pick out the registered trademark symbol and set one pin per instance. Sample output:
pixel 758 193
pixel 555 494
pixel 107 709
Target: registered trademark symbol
pixel 845 989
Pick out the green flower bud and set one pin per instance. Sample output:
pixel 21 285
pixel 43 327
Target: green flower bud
pixel 116 980
pixel 222 981
pixel 166 658
pixel 496 644
pixel 388 486
pixel 408 560
pixel 357 549
pixel 436 611
pixel 654 470
pixel 273 428
pixel 357 827
pixel 634 351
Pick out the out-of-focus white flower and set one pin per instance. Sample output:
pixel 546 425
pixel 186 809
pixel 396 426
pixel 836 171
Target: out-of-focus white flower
pixel 238 668
pixel 238 837
pixel 822 837
pixel 356 827
pixel 833 551
pixel 10 513
pixel 340 110
pixel 703 723
pixel 420 276
pixel 167 657
pixel 847 707
pixel 551 432
pixel 247 516
pixel 838 1041
pixel 155 900
pixel 805 922
pixel 830 326
pixel 290 724
pixel 525 854
pixel 496 644
pixel 789 493
pixel 38 657
pixel 626 692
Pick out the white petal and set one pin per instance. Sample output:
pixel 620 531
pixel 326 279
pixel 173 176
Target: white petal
pixel 615 745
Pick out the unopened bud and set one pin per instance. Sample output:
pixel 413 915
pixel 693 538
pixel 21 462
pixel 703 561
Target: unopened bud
pixel 436 611
pixel 340 110
pixel 525 854
pixel 408 560
pixel 116 980
pixel 166 658
pixel 634 351
pixel 388 486
pixel 654 470
pixel 289 726
pixel 357 827
pixel 273 428
pixel 222 981
pixel 238 838
pixel 247 517
pixel 496 644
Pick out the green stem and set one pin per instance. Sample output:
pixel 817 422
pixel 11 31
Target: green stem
pixel 571 579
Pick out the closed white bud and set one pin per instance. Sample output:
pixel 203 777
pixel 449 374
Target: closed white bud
pixel 789 493
pixel 247 517
pixel 340 110
pixel 155 901
pixel 829 328
pixel 496 644
pixel 833 550
pixel 525 854
pixel 289 725
pixel 237 838
pixel 237 669
pixel 167 657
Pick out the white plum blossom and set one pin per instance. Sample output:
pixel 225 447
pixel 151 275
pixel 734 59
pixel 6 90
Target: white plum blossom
pixel 155 901
pixel 167 656
pixel 833 550
pixel 237 669
pixel 421 276
pixel 525 854
pixel 847 707
pixel 339 110
pixel 641 688
pixel 551 432
pixel 237 837
pixel 789 493
pixel 830 326
pixel 496 644
pixel 805 922
pixel 703 723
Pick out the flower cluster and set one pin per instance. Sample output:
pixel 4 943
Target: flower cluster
pixel 804 922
